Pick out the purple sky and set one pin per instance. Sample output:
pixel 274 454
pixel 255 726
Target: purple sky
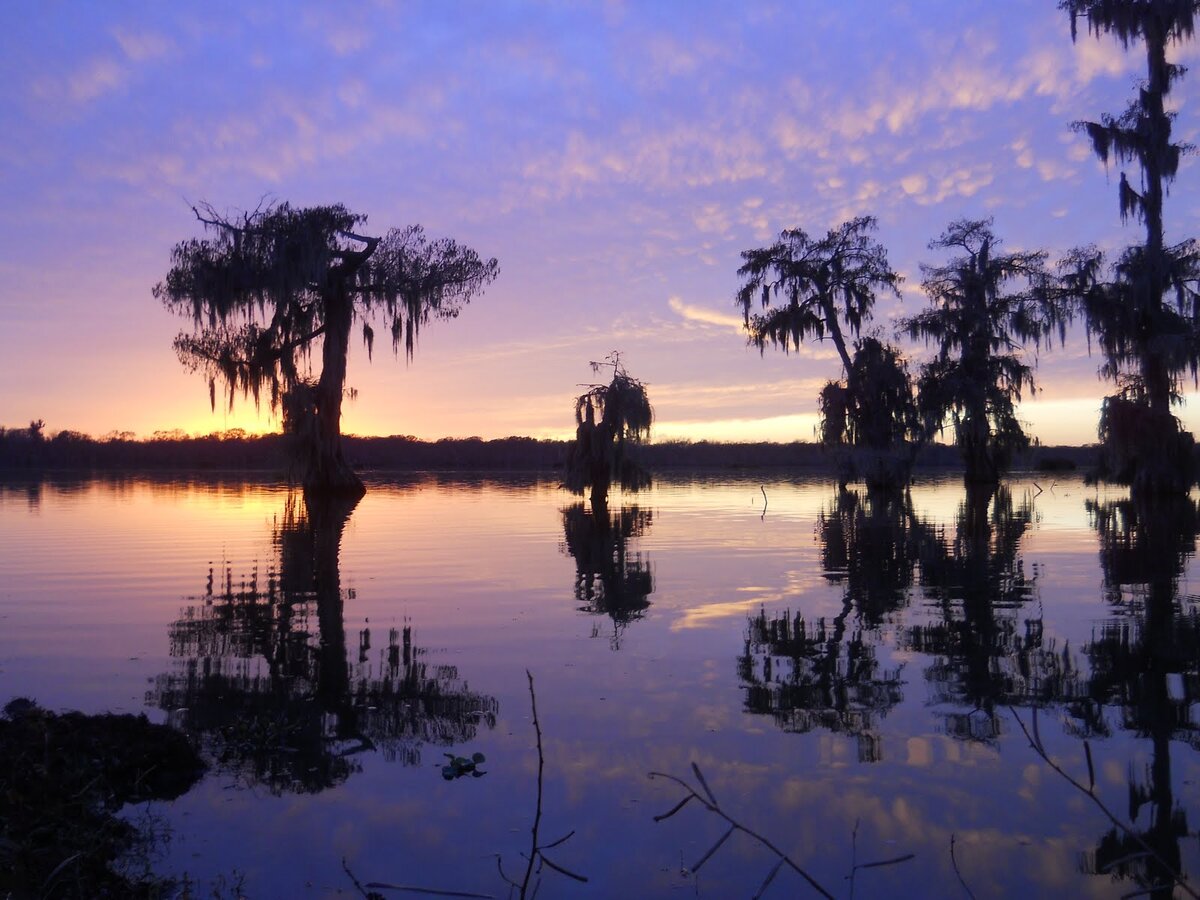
pixel 616 157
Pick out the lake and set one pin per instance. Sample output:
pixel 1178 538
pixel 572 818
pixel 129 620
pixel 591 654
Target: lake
pixel 857 679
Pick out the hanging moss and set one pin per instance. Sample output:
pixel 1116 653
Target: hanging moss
pixel 611 419
pixel 984 307
pixel 266 288
pixel 1144 315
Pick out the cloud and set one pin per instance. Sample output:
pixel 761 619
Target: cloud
pixel 140 46
pixel 95 78
pixel 707 316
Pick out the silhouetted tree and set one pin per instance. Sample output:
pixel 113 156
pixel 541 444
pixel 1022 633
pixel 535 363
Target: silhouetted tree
pixel 978 326
pixel 1145 319
pixel 609 580
pixel 825 288
pixel 610 419
pixel 266 285
pixel 874 413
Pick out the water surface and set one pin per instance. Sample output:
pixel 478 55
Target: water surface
pixel 851 675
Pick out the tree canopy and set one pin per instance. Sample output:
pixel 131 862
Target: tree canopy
pixel 1144 317
pixel 610 419
pixel 809 288
pixel 262 287
pixel 984 307
pixel 813 289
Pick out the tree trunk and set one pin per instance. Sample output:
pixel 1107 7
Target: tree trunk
pixel 327 470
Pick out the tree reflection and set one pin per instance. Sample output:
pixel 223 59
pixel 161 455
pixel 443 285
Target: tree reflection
pixel 282 706
pixel 1146 663
pixel 609 580
pixel 826 673
pixel 987 650
pixel 868 546
pixel 990 651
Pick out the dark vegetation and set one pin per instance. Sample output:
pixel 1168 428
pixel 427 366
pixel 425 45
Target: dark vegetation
pixel 1144 312
pixel 266 285
pixel 611 420
pixel 63 779
pixel 817 289
pixel 610 580
pixel 989 309
pixel 983 635
pixel 985 306
pixel 235 450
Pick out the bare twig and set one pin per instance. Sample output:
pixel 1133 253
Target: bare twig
pixel 711 805
pixel 709 801
pixel 1035 741
pixel 527 887
pixel 537 817
pixel 961 880
pixel 346 868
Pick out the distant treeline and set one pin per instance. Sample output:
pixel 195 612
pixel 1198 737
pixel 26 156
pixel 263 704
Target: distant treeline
pixel 29 448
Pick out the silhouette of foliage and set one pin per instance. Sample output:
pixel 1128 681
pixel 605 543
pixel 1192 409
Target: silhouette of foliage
pixel 264 286
pixel 817 288
pixel 610 419
pixel 1145 318
pixel 820 674
pixel 976 585
pixel 978 327
pixel 868 546
pixel 826 673
pixel 874 412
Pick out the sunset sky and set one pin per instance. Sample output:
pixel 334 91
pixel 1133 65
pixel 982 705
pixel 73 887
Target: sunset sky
pixel 616 158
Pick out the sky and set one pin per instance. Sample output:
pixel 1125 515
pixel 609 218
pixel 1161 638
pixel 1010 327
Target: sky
pixel 616 157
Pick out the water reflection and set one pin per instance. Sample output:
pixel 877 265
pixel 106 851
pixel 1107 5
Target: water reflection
pixel 989 646
pixel 281 705
pixel 609 579
pixel 868 546
pixel 826 673
pixel 1146 664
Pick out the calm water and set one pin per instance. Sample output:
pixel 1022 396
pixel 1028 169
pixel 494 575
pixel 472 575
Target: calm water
pixel 846 674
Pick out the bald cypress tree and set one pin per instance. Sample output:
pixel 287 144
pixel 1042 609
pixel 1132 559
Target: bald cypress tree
pixel 265 289
pixel 985 305
pixel 1145 317
pixel 610 421
pixel 824 288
